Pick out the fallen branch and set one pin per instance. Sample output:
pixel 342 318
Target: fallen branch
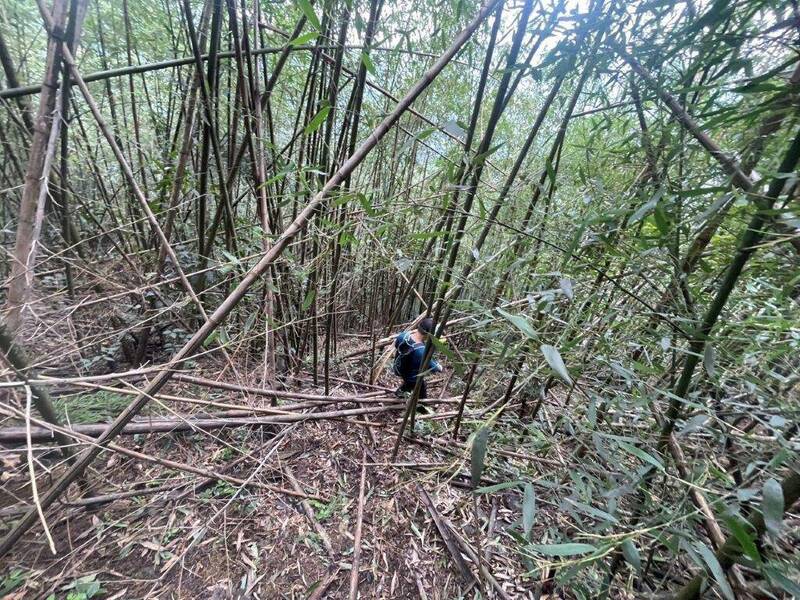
pixel 171 464
pixel 359 524
pixel 15 435
pixel 447 536
pixel 326 541
pixel 201 381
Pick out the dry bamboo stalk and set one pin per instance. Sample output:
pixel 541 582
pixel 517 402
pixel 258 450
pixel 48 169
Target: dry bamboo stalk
pixel 359 523
pixel 326 541
pixel 322 588
pixel 28 90
pixel 28 437
pixel 170 464
pixel 728 163
pixel 268 392
pixel 19 281
pixel 9 435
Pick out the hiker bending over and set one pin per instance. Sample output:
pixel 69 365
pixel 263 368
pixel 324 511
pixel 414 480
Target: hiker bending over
pixel 408 359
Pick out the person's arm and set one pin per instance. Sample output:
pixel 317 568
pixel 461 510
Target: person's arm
pixel 433 366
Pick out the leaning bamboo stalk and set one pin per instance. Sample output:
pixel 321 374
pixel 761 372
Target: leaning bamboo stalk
pixel 238 293
pixel 748 244
pixel 728 163
pixel 28 90
pixel 11 77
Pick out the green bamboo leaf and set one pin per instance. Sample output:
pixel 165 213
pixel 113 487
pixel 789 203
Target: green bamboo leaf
pixel 576 240
pixel 528 510
pixel 308 300
pixel 301 40
pixel 743 533
pixel 772 506
pixel 716 569
pixel 425 134
pixel 566 287
pixel 660 218
pixel 709 358
pixel 318 120
pixel 551 173
pixel 366 204
pixel 308 11
pixel 365 58
pixel 212 337
pixel 553 358
pixel 519 322
pixel 778 579
pixel 643 211
pixel 570 549
pixel 631 554
pixel 647 207
pixel 478 455
pixel 641 454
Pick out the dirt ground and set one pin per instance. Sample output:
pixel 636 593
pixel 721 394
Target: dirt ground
pixel 219 540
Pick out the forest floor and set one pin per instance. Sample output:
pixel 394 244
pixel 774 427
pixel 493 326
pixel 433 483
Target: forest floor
pixel 223 541
pixel 186 536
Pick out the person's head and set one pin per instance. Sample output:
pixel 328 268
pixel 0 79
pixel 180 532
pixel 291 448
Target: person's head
pixel 425 326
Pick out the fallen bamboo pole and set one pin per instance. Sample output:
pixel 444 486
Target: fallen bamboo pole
pixel 16 435
pixel 201 381
pixel 359 527
pixel 164 462
pixel 88 456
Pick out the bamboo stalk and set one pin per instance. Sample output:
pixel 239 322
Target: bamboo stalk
pixel 359 525
pixel 16 435
pixel 21 266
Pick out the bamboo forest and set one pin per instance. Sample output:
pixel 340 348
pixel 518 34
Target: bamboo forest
pixel 480 299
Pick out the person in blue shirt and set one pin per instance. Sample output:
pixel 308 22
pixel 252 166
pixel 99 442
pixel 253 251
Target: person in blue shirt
pixel 410 352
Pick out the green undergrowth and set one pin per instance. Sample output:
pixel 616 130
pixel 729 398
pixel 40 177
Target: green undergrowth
pixel 97 407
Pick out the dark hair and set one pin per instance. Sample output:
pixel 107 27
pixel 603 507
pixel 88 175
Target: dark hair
pixel 426 325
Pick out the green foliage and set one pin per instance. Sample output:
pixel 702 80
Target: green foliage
pixel 325 510
pixel 11 581
pixel 83 588
pixel 478 455
pixel 95 407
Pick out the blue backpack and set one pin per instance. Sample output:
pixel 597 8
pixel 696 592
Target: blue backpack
pixel 404 344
